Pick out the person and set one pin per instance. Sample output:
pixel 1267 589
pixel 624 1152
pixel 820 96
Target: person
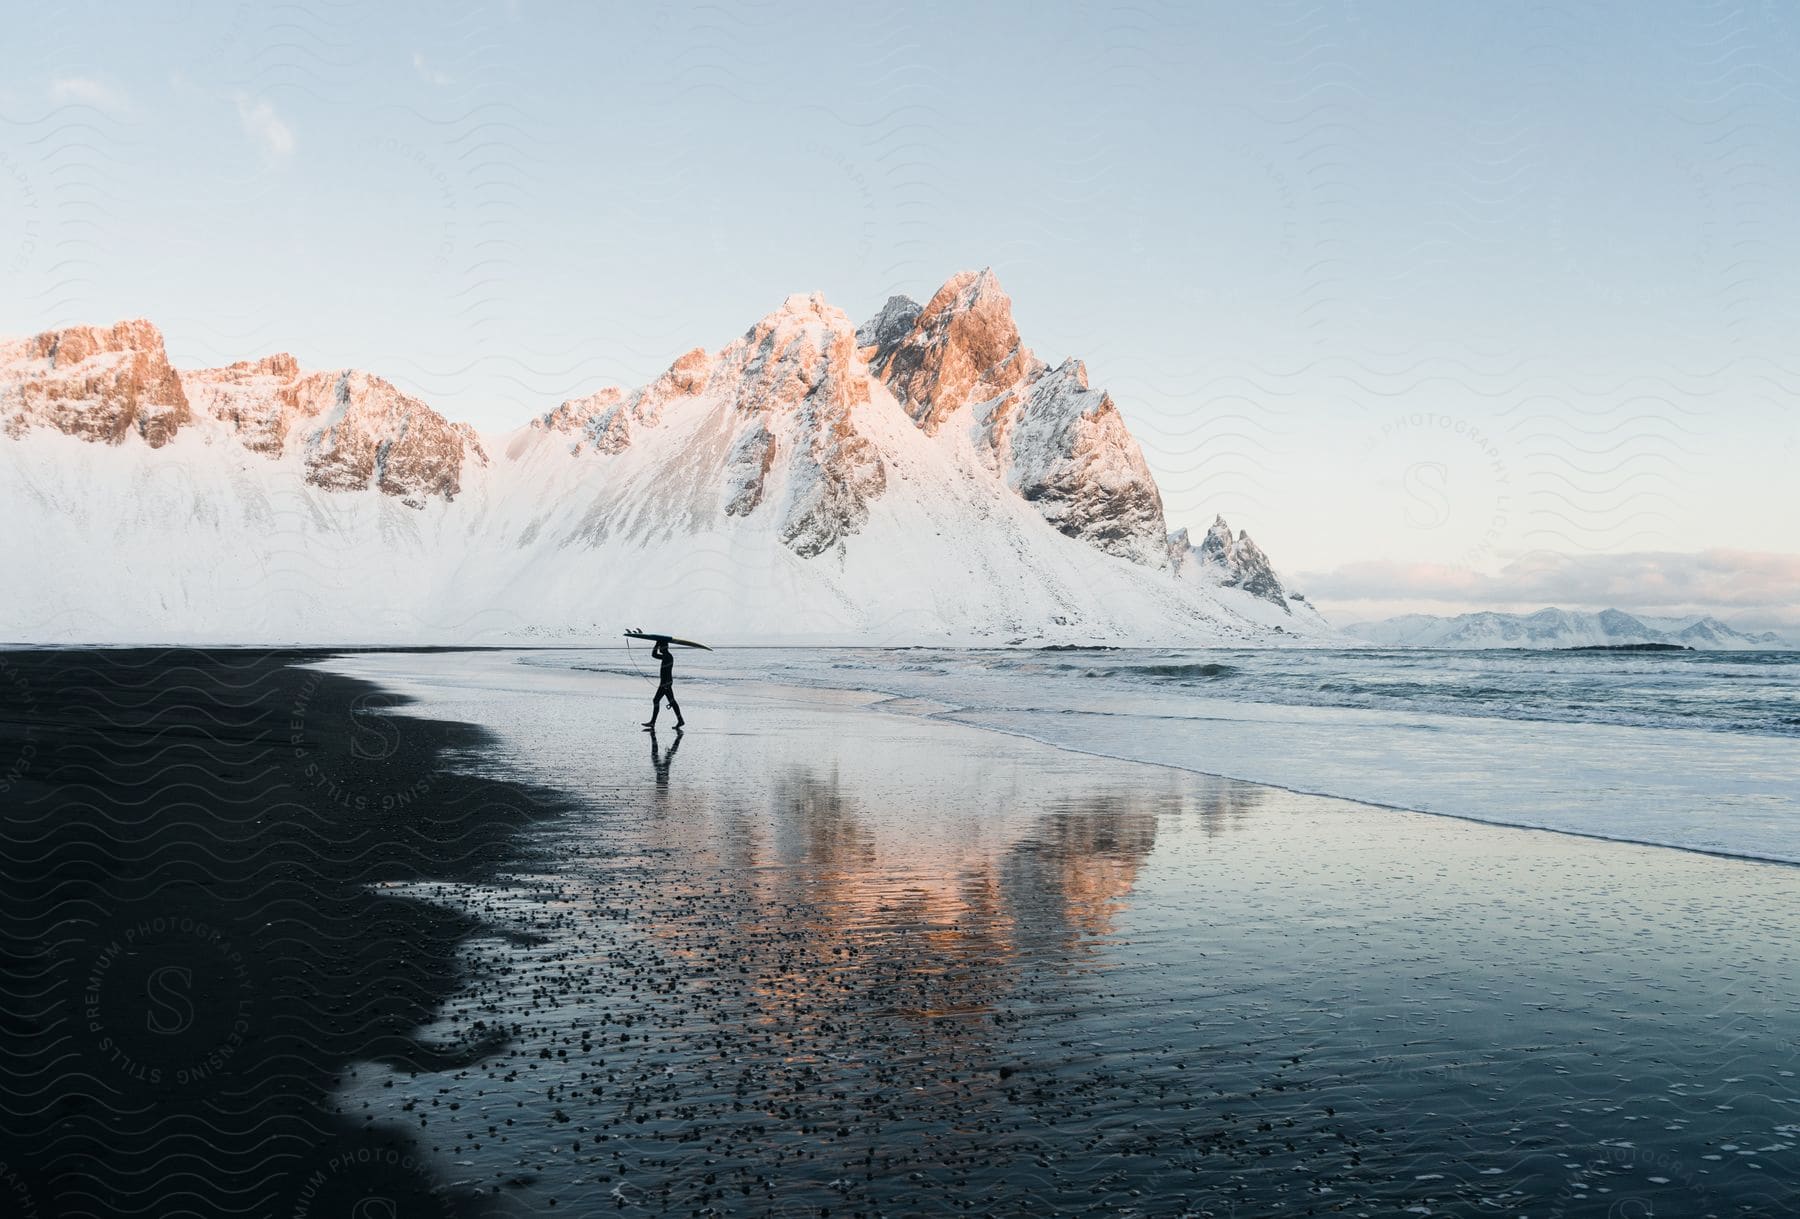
pixel 664 688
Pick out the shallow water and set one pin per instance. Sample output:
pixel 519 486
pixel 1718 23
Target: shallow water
pixel 820 957
pixel 1678 749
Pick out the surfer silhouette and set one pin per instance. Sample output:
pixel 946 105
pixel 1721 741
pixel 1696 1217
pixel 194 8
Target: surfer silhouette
pixel 664 688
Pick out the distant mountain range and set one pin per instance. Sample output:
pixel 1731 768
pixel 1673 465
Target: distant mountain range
pixel 921 478
pixel 1556 628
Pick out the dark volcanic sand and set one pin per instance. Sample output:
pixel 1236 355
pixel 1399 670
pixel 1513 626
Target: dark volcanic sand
pixel 192 947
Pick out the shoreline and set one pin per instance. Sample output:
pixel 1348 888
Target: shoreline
pixel 371 945
pixel 819 924
pixel 1738 856
pixel 194 846
pixel 953 713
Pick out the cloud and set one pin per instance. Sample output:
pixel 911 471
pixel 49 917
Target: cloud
pixel 86 91
pixel 429 74
pixel 265 127
pixel 1747 586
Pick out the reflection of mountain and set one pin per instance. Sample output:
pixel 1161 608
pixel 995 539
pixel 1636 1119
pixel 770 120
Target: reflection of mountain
pixel 823 963
pixel 1067 881
pixel 1225 804
pixel 816 825
pixel 829 911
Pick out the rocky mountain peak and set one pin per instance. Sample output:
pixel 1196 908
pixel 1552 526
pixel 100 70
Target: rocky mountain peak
pixel 604 419
pixel 369 433
pixel 796 384
pixel 599 420
pixel 1065 448
pixel 98 383
pixel 1235 562
pixel 960 349
pixel 1057 443
pixel 884 331
pixel 802 350
pixel 353 430
pixel 280 365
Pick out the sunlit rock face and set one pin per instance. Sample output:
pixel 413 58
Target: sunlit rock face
pixel 797 385
pixel 605 420
pixel 351 430
pixel 786 403
pixel 96 383
pixel 1060 445
pixel 961 348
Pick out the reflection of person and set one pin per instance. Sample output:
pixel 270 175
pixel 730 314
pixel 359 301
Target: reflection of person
pixel 661 761
pixel 664 688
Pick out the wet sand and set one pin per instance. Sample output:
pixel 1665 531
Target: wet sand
pixel 820 957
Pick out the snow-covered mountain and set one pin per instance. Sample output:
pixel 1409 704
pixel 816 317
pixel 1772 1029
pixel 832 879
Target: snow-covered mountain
pixel 923 478
pixel 1556 628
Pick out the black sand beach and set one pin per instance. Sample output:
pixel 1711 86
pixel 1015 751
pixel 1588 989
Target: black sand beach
pixel 194 950
pixel 819 958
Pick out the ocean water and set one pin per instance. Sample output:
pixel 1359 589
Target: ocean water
pixel 838 953
pixel 1698 750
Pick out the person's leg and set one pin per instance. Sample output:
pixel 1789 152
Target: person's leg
pixel 676 708
pixel 655 707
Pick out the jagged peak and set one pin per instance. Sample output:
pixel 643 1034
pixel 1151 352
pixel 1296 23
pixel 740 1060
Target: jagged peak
pixel 808 309
pixel 889 326
pixel 687 374
pixel 68 345
pixel 1074 370
pixel 805 319
pixel 281 364
pixel 961 348
pixel 1238 562
pixel 97 383
pixel 971 284
pixel 970 291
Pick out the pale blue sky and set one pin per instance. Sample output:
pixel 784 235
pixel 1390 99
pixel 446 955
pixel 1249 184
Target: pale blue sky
pixel 1432 284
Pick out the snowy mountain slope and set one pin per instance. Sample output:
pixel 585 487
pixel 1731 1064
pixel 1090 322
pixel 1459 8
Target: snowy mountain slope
pixel 775 490
pixel 1557 628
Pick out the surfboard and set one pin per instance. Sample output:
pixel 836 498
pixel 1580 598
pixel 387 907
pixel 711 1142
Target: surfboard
pixel 685 643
